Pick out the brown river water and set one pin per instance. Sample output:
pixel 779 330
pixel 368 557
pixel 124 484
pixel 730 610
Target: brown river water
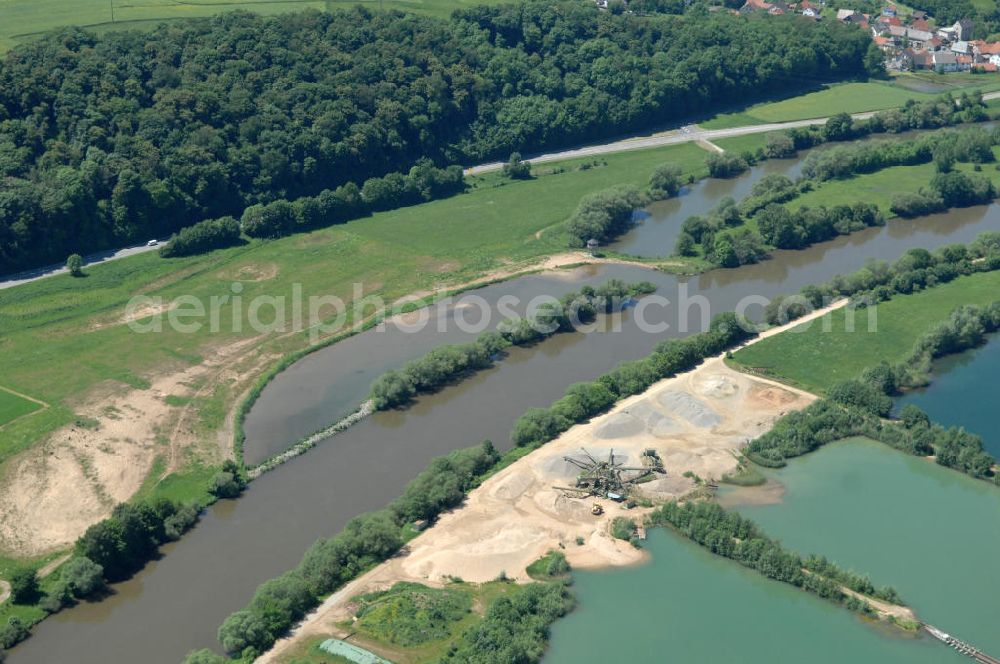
pixel 177 603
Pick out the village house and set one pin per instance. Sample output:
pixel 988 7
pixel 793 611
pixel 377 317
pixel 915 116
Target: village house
pixel 944 61
pixel 914 38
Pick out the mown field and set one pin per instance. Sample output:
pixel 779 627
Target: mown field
pixel 855 98
pixel 24 19
pixel 63 337
pixel 13 406
pixel 879 187
pixel 814 359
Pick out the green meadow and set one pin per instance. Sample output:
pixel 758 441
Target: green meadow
pixel 64 337
pixel 855 98
pixel 814 356
pixel 26 19
pixel 13 406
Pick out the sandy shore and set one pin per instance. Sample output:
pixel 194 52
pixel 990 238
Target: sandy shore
pixel 695 421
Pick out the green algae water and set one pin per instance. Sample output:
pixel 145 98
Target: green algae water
pixel 687 605
pixel 930 532
pixel 959 393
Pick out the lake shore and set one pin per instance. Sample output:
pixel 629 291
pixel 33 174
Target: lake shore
pixel 696 421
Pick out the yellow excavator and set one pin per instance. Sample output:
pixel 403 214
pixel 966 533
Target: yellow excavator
pixel 597 509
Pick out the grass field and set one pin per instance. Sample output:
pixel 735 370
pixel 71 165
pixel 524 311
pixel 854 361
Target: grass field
pixel 878 187
pixel 307 651
pixel 13 406
pixel 854 98
pixel 746 143
pixel 25 19
pixel 63 337
pixel 814 359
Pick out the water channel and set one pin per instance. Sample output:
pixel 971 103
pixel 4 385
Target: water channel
pixel 176 604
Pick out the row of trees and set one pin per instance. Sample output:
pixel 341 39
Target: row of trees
pixel 943 147
pixel 854 408
pixel 371 538
pixel 450 362
pixel 946 190
pixel 785 229
pixel 779 227
pixel 423 183
pixel 584 400
pixel 112 550
pixel 365 541
pixel 108 139
pixel 732 536
pixel 203 237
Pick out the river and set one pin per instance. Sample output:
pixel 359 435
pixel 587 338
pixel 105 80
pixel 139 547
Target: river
pixel 930 532
pixel 176 604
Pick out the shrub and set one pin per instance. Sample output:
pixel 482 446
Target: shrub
pixel 202 237
pixel 779 146
pixel 726 165
pixel 75 265
pixel 516 168
pixel 604 214
pixel 623 528
pixel 82 576
pixel 24 585
pixel 665 181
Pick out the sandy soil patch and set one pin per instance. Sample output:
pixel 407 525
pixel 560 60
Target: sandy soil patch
pixel 51 493
pixel 518 515
pixel 251 272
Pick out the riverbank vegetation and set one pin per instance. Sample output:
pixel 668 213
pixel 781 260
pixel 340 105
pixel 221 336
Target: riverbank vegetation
pixel 448 363
pixel 111 550
pixel 372 538
pixel 784 214
pixel 732 536
pixel 913 294
pixel 223 142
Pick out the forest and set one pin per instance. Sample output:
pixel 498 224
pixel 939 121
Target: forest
pixel 112 139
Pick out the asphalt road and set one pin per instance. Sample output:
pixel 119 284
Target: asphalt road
pixel 11 280
pixel 682 135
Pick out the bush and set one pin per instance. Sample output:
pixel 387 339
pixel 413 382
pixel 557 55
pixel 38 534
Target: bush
pixel 605 214
pixel 726 165
pixel 514 628
pixel 24 585
pixel 623 528
pixel 909 205
pixel 779 146
pixel 202 237
pixel 665 182
pixel 862 396
pixel 516 169
pixel 82 576
pixel 204 656
pixel 75 265
pixel 228 483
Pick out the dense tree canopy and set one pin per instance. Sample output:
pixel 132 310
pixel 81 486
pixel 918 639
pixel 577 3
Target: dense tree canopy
pixel 120 137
